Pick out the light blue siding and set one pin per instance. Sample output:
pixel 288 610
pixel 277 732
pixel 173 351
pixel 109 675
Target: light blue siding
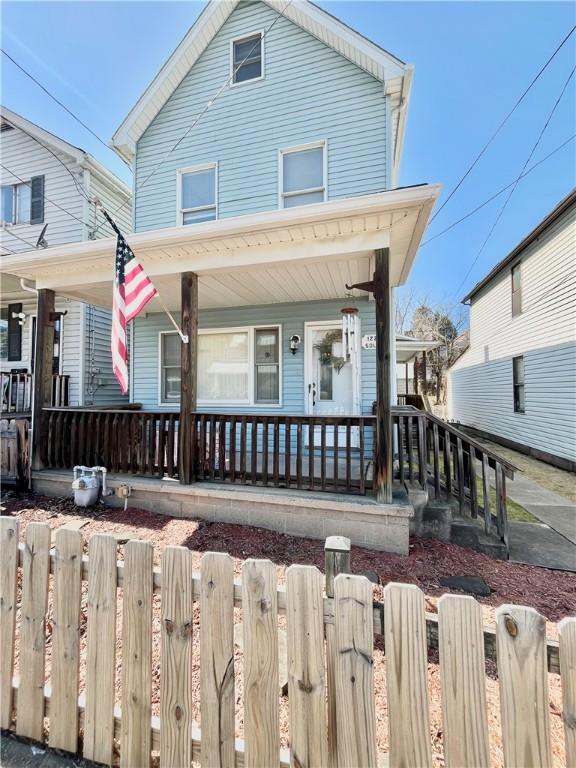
pixel 291 318
pixel 309 93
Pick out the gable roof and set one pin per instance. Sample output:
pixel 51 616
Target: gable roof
pixel 546 222
pixel 78 155
pixel 394 73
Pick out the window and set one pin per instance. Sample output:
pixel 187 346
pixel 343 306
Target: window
pixel 247 61
pixel 4 333
pixel 518 378
pixel 197 194
pixel 303 175
pixel 237 365
pixel 16 204
pixel 170 367
pixel 516 290
pixel 267 365
pixel 57 348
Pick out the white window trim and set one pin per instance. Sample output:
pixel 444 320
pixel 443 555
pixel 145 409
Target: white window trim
pixel 239 39
pixel 322 144
pixel 194 169
pixel 249 402
pixel 14 224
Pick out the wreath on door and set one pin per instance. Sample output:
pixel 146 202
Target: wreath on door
pixel 325 347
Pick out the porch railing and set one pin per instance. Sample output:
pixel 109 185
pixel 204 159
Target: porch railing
pixel 319 453
pixel 452 466
pixel 16 389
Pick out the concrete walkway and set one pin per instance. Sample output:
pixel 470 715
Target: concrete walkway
pixel 556 511
pixel 538 544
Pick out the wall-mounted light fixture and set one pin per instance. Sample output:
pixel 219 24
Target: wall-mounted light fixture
pixel 294 343
pixel 20 316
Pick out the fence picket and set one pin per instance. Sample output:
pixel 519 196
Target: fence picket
pixel 406 676
pixel 36 564
pixel 176 663
pixel 567 638
pixel 136 737
pixel 354 672
pixel 261 673
pixel 306 677
pixel 101 650
pixel 523 680
pixel 217 660
pixel 463 682
pixel 66 640
pixel 8 581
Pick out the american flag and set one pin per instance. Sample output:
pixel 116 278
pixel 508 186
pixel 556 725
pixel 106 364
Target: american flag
pixel 133 289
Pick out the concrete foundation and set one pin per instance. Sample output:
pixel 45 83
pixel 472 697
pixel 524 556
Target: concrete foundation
pixel 383 527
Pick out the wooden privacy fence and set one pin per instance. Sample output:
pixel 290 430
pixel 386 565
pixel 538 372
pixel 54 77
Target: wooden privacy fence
pixel 330 656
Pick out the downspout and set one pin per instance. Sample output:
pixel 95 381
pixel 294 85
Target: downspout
pixel 31 289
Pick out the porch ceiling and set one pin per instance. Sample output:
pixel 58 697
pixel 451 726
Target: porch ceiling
pixel 297 254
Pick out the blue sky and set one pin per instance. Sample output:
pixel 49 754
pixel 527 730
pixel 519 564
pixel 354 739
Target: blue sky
pixel 472 61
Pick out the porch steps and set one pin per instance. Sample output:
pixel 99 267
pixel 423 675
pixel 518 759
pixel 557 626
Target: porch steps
pixel 440 520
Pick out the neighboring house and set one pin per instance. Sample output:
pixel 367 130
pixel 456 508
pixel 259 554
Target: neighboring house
pixel 41 177
pixel 516 383
pixel 266 155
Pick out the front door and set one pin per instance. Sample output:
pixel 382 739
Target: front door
pixel 331 381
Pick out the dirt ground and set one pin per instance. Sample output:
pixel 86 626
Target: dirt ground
pixel 552 593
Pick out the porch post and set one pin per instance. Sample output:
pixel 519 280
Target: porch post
pixel 188 377
pixel 407 377
pixel 384 447
pixel 416 375
pixel 424 372
pixel 42 379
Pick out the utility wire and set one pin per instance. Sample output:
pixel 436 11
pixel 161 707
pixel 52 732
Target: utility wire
pixel 13 234
pixel 54 98
pixel 497 194
pixel 502 124
pixel 515 185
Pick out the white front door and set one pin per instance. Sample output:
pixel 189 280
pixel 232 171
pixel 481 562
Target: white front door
pixel 331 383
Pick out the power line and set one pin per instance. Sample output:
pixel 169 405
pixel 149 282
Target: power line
pixel 13 234
pixel 79 187
pixel 502 124
pixel 515 185
pixel 54 98
pixel 497 194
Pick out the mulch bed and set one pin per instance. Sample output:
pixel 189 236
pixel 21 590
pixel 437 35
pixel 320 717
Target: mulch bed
pixel 552 593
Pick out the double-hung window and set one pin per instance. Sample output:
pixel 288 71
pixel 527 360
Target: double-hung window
pixel 247 60
pixel 303 175
pixel 16 204
pixel 516 289
pixel 518 382
pixel 235 366
pixel 197 194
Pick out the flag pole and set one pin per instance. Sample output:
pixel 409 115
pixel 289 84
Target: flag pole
pixel 115 227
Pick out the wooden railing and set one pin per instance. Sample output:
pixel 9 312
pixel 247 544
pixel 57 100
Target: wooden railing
pixel 133 442
pixel 452 465
pixel 319 453
pixel 16 389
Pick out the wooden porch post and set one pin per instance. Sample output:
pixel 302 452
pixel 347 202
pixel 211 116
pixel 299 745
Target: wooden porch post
pixel 384 446
pixel 424 374
pixel 42 380
pixel 407 378
pixel 188 375
pixel 416 375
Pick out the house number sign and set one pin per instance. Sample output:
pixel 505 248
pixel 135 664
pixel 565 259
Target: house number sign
pixel 369 341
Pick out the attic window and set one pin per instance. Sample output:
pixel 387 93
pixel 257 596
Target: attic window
pixel 246 59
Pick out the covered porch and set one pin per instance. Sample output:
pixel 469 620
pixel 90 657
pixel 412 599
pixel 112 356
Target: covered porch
pixel 353 250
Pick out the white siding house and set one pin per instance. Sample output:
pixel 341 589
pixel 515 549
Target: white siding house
pixel 42 178
pixel 517 380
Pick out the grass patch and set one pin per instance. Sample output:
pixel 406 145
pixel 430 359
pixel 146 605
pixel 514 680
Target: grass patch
pixel 515 511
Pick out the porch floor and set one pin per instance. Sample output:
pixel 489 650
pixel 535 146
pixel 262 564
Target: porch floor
pixel 296 512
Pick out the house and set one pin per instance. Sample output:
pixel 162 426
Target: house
pixel 43 205
pixel 267 212
pixel 516 382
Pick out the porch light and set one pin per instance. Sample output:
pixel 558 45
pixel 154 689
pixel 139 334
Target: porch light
pixel 294 343
pixel 20 316
pixel 349 332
